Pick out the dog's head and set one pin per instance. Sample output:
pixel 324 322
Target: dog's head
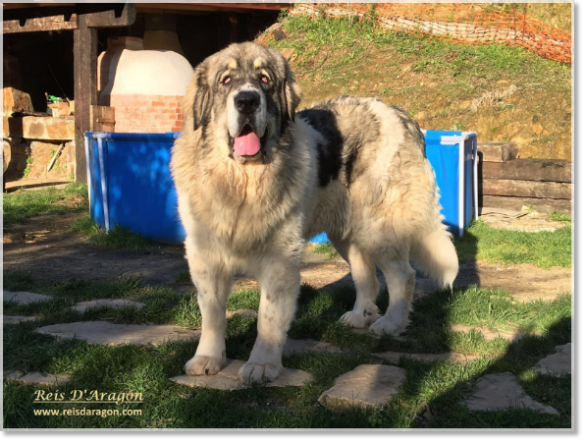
pixel 245 96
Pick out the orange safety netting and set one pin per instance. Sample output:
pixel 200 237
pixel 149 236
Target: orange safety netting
pixel 462 23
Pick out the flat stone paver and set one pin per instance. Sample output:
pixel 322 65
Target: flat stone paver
pixel 299 346
pixel 103 332
pixel 81 307
pixel 34 377
pixel 228 379
pixel 394 357
pixel 9 319
pixel 510 336
pixel 365 385
pixel 245 312
pixel 558 364
pixel 499 391
pixel 23 298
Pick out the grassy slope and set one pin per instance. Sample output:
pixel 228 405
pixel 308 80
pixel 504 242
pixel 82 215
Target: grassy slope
pixel 436 81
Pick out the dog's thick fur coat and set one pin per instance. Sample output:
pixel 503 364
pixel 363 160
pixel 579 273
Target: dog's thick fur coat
pixel 351 167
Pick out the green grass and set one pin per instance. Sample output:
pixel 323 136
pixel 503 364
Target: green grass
pixel 24 204
pixel 556 216
pixel 326 249
pixel 543 249
pixel 482 242
pixel 168 405
pixel 312 37
pixel 118 237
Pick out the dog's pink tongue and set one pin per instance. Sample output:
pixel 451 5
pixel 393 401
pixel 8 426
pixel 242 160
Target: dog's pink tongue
pixel 247 144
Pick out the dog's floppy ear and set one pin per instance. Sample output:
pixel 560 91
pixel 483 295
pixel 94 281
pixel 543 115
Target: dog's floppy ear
pixel 292 94
pixel 200 97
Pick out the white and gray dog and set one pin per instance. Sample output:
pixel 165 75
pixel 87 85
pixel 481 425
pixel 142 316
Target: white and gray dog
pixel 256 179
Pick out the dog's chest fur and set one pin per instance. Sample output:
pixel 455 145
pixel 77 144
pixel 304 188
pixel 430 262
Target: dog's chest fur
pixel 242 205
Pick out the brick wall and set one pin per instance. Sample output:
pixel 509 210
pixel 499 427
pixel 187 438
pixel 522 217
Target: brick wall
pixel 147 113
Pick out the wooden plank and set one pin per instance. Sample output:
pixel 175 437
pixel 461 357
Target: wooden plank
pixel 103 118
pixel 533 189
pixel 211 7
pixel 50 23
pixel 528 169
pixel 85 90
pixel 498 152
pixel 542 205
pixel 121 15
pixel 7 6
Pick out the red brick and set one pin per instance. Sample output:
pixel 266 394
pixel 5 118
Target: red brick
pixel 158 103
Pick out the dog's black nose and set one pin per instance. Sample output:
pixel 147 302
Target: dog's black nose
pixel 247 101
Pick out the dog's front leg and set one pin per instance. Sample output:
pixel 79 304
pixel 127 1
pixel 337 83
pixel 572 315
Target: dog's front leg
pixel 279 280
pixel 213 283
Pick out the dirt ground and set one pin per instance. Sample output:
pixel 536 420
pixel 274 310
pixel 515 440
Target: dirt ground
pixel 45 247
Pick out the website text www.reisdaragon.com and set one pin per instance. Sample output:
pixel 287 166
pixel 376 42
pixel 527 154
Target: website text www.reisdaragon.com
pixel 87 412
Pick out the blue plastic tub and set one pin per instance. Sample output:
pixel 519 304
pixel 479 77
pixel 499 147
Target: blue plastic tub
pixel 130 182
pixel 453 156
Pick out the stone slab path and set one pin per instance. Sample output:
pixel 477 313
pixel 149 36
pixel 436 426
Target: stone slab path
pixel 82 307
pixel 8 319
pixel 24 298
pixel 499 391
pixel 366 385
pixel 394 357
pixel 35 377
pixel 228 379
pixel 558 364
pixel 107 333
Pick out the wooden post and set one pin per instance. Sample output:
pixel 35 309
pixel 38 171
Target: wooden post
pixel 85 90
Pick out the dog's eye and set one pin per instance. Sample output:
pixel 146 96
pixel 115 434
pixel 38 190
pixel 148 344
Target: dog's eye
pixel 226 80
pixel 264 79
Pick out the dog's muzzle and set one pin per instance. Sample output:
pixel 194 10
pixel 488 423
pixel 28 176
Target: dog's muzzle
pixel 247 125
pixel 247 102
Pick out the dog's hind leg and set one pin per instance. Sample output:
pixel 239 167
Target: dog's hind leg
pixel 213 283
pixel 400 279
pixel 279 278
pixel 363 272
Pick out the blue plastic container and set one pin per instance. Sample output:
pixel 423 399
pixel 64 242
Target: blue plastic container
pixel 453 156
pixel 130 184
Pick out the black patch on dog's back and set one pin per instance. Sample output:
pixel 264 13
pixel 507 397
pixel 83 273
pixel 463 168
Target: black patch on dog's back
pixel 328 154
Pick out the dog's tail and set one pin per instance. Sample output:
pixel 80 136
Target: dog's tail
pixel 435 254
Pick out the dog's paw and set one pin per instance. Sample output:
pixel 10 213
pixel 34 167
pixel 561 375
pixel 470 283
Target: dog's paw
pixel 387 326
pixel 199 365
pixel 361 318
pixel 253 373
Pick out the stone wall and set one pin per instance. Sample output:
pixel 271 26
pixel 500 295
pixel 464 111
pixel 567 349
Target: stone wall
pixel 34 140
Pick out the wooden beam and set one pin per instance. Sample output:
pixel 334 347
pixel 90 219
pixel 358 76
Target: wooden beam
pixel 121 15
pixel 533 189
pixel 85 90
pixel 10 6
pixel 497 152
pixel 528 169
pixel 50 23
pixel 212 7
pixel 56 19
